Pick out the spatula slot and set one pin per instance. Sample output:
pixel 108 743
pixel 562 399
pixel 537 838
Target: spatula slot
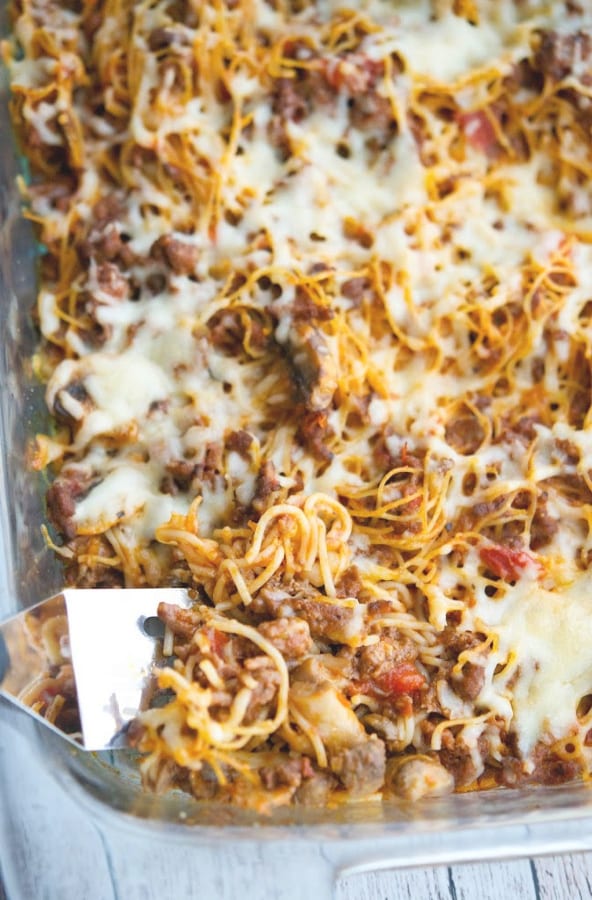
pixel 153 627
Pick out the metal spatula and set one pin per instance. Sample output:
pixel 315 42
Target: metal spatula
pixel 110 639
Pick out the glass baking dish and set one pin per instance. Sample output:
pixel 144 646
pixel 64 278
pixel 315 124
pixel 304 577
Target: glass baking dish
pixel 324 843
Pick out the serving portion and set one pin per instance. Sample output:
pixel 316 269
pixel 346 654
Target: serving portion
pixel 316 327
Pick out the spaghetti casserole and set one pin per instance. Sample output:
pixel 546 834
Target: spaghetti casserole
pixel 316 326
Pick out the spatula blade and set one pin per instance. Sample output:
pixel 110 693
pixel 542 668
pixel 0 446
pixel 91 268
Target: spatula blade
pixel 102 632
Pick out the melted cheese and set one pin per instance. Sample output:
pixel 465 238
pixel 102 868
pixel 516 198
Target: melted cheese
pixel 545 646
pixel 426 48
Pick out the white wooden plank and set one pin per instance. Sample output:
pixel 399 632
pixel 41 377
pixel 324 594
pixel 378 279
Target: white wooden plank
pixel 254 871
pixel 564 878
pixel 414 884
pixel 49 849
pixel 490 881
pixel 551 878
pixel 483 881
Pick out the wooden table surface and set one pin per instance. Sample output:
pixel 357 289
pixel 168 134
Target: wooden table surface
pixel 52 850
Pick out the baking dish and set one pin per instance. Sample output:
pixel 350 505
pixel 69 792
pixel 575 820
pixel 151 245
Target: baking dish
pixel 357 837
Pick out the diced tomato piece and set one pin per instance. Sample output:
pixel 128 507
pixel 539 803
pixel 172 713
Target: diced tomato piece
pixel 395 685
pixel 218 640
pixel 403 679
pixel 479 131
pixel 505 562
